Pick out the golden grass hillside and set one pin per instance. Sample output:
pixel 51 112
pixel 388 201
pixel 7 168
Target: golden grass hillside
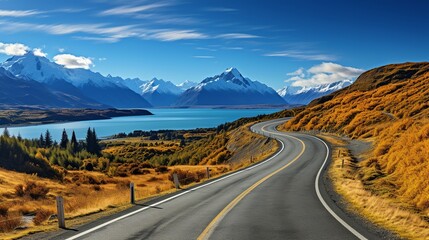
pixel 390 106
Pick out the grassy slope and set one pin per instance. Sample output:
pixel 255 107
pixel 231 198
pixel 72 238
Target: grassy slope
pixel 390 106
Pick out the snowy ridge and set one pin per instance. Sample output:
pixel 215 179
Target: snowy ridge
pixel 304 95
pixel 42 70
pixel 186 85
pixel 160 86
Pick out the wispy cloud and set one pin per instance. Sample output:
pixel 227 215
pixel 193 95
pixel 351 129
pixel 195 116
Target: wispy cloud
pixel 302 55
pixel 125 10
pixel 220 9
pixel 13 49
pixel 174 35
pixel 104 32
pixel 99 39
pixel 206 49
pixel 72 61
pixel 233 48
pixel 113 32
pixel 18 13
pixel 323 73
pixel 204 56
pixel 237 36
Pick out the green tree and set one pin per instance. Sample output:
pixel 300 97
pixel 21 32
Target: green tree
pixel 48 139
pixel 74 144
pixel 92 145
pixel 41 141
pixel 64 139
pixel 6 132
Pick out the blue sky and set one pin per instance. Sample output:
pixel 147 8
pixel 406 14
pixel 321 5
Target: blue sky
pixel 302 42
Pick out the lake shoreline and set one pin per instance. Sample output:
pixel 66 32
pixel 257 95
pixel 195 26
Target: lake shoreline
pixel 161 119
pixel 22 118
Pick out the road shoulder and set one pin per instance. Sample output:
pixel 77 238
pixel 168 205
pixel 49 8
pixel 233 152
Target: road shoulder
pixel 356 150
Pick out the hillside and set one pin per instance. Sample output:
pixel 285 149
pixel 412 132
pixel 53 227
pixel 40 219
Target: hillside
pixel 388 105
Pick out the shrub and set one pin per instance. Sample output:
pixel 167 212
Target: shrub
pixel 10 222
pixel 161 169
pixel 41 216
pixel 3 210
pixel 32 190
pixel 19 190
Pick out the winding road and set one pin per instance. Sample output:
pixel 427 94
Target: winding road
pixel 282 197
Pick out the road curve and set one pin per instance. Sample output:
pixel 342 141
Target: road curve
pixel 274 199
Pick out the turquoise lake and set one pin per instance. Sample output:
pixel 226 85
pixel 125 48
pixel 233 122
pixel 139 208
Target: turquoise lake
pixel 162 119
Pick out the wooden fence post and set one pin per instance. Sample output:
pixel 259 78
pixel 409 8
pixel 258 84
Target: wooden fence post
pixel 208 173
pixel 176 180
pixel 60 212
pixel 132 194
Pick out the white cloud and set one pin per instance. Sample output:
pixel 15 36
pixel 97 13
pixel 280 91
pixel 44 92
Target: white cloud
pixel 17 13
pixel 71 61
pixel 102 59
pixel 302 55
pixel 61 50
pixel 323 73
pixel 38 52
pixel 174 35
pixel 237 36
pixel 132 9
pixel 13 49
pixel 299 72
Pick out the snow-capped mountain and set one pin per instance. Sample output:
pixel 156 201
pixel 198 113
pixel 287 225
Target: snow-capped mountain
pixel 229 88
pixel 160 93
pixel 186 85
pixel 18 92
pixel 134 84
pixel 107 90
pixel 304 95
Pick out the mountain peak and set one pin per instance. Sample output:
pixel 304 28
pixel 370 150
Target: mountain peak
pixel 233 73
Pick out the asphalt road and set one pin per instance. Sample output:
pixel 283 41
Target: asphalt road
pixel 275 199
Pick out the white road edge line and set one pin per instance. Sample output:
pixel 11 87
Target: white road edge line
pixel 347 226
pixel 173 197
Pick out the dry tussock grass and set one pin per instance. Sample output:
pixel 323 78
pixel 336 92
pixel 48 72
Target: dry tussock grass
pixel 380 209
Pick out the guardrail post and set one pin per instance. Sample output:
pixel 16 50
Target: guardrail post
pixel 208 173
pixel 60 212
pixel 176 180
pixel 132 194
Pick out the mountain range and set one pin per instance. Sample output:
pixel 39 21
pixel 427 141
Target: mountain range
pixel 35 81
pixel 304 95
pixel 76 83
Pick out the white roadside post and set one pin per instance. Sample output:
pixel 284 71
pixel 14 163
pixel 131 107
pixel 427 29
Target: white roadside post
pixel 132 196
pixel 60 212
pixel 176 180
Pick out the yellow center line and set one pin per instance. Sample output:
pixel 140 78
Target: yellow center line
pixel 212 225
